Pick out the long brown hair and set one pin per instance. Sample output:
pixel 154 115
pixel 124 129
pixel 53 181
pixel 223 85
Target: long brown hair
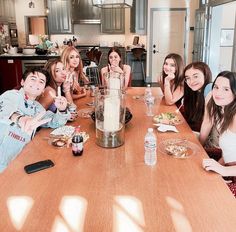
pixel 224 118
pixel 65 57
pixel 117 50
pixel 179 66
pixel 50 66
pixel 194 101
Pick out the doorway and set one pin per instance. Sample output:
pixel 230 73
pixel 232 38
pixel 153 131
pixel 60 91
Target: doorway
pixel 168 35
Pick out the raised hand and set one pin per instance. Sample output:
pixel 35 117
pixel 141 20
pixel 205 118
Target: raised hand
pixel 29 124
pixel 170 76
pixel 60 103
pixel 115 68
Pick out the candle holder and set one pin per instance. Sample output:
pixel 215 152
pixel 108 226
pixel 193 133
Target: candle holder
pixel 110 117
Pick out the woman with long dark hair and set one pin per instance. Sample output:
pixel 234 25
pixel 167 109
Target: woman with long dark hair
pixel 115 66
pixel 221 112
pixel 172 81
pixel 197 76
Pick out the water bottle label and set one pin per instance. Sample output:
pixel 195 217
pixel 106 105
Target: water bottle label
pixel 150 144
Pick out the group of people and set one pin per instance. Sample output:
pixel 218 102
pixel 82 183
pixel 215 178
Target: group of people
pixel 44 97
pixel 209 109
pixel 45 94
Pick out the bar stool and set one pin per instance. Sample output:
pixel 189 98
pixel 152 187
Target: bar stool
pixel 92 72
pixel 137 53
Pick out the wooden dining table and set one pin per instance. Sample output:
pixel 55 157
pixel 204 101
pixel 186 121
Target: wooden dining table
pixel 112 189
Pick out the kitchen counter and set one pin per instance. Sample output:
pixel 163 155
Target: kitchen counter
pixel 27 57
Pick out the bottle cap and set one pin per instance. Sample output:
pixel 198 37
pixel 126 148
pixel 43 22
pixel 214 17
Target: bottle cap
pixel 150 129
pixel 148 85
pixel 77 129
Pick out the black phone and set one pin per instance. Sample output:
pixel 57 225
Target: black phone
pixel 35 167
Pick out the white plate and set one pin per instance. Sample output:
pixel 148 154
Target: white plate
pixel 181 148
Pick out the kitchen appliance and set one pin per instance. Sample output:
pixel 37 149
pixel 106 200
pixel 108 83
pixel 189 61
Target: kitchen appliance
pixel 83 12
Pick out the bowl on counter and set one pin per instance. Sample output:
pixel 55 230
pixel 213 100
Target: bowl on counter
pixel 28 51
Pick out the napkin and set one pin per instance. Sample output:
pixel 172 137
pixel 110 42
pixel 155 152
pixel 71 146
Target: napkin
pixel 164 127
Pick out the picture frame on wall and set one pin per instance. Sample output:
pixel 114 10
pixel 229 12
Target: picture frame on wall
pixel 227 37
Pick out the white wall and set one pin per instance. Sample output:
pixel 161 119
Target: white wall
pixel 22 9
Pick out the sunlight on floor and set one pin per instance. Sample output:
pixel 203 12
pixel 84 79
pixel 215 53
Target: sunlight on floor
pixel 128 214
pixel 178 216
pixel 19 208
pixel 73 210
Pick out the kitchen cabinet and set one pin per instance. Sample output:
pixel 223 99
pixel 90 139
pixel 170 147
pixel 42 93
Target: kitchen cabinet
pixel 7 10
pixel 10 74
pixel 59 18
pixel 113 21
pixel 138 17
pixel 104 58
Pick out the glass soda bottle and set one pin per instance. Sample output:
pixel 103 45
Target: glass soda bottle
pixel 150 146
pixel 77 142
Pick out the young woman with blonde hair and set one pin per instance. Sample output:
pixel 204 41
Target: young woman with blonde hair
pixel 73 63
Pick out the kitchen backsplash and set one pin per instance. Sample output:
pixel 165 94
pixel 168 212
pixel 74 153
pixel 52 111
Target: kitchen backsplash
pixel 83 35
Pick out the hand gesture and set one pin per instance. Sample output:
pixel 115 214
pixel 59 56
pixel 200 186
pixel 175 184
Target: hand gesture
pixel 66 86
pixel 29 124
pixel 60 103
pixel 170 76
pixel 115 68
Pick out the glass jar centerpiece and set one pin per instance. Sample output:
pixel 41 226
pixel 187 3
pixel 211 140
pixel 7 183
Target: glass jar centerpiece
pixel 110 117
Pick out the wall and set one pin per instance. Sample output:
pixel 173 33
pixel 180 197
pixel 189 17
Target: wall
pixel 22 9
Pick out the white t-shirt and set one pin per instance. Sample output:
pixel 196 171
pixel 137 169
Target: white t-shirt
pixel 228 145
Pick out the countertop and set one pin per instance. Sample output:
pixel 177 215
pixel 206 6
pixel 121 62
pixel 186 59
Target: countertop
pixel 27 57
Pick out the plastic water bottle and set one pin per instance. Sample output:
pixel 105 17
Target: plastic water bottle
pixel 150 146
pixel 148 91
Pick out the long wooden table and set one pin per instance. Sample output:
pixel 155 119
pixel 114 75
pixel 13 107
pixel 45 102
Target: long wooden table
pixel 112 189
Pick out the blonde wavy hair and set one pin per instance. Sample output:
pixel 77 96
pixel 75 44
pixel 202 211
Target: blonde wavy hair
pixel 65 58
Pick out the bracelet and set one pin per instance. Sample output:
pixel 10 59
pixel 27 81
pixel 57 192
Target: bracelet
pixel 63 111
pixel 18 119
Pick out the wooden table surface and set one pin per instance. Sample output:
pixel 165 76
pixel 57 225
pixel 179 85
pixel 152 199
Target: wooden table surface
pixel 112 189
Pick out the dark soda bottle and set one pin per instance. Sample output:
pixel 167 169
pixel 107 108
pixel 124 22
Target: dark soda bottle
pixel 77 143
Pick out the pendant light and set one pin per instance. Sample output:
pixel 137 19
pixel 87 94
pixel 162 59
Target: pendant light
pixel 112 3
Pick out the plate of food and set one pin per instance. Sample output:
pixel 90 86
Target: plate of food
pixel 61 136
pixel 178 148
pixel 85 113
pixel 167 118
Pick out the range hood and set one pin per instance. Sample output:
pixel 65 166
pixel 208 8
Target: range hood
pixel 83 12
